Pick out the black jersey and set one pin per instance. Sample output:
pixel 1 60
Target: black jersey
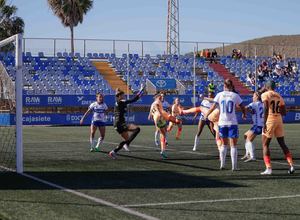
pixel 120 110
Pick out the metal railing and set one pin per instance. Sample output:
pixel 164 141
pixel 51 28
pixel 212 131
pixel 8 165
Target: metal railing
pixel 50 47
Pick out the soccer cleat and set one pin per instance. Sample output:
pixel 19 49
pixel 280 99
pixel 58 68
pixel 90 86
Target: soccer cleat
pixel 268 171
pixel 92 149
pixel 222 168
pixel 245 157
pixel 250 160
pixel 112 155
pixel 291 170
pixel 125 146
pixel 163 155
pixel 96 149
pixel 167 144
pixel 194 148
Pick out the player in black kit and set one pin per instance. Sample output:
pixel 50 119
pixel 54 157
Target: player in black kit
pixel 120 124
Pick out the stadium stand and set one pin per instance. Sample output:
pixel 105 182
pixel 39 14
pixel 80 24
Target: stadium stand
pixel 100 72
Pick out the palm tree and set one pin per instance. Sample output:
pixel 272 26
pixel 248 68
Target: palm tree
pixel 71 13
pixel 10 24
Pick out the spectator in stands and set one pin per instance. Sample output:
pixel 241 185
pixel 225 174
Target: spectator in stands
pixel 211 87
pixel 208 54
pixel 214 56
pixel 234 53
pixel 237 54
pixel 277 72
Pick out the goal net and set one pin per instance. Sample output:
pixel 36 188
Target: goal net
pixel 11 147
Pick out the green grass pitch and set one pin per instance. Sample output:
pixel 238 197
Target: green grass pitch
pixel 61 155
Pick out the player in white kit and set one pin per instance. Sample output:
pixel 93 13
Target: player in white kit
pixel 228 124
pixel 99 109
pixel 256 108
pixel 206 103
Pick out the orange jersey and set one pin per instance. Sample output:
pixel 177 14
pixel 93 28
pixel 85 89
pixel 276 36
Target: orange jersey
pixel 275 101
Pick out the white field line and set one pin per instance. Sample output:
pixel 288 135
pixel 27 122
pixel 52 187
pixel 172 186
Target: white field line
pixel 82 195
pixel 211 201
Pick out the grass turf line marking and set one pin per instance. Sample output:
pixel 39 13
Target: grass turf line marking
pixel 211 201
pixel 91 198
pixel 82 195
pixel 198 153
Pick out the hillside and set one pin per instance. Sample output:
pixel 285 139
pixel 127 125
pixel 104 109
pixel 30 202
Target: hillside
pixel 288 45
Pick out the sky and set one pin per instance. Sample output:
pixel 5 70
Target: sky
pixel 207 21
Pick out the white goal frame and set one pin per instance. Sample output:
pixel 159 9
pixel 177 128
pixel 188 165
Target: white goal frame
pixel 18 40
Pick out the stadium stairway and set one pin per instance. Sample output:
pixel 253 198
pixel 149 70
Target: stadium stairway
pixel 110 75
pixel 222 71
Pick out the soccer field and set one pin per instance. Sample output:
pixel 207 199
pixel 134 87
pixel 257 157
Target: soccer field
pixel 188 185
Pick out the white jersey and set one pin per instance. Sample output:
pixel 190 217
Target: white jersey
pixel 227 102
pixel 206 104
pixel 257 113
pixel 98 111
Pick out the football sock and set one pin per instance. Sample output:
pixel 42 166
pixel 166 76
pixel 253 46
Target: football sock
pixel 92 142
pixel 120 146
pixel 100 141
pixel 133 135
pixel 251 150
pixel 178 132
pixel 267 160
pixel 162 143
pixel 288 157
pixel 223 152
pixel 233 154
pixel 196 142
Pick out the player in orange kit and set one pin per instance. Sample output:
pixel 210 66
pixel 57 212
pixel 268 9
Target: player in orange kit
pixel 274 109
pixel 176 110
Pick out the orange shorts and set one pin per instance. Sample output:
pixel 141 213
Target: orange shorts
pixel 274 129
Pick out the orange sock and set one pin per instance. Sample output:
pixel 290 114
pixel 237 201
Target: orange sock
pixel 178 133
pixel 191 110
pixel 289 159
pixel 267 160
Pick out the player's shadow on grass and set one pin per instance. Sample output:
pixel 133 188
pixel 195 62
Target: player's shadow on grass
pixel 112 180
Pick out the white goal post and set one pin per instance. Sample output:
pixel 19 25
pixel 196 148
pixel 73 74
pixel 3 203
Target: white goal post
pixel 17 40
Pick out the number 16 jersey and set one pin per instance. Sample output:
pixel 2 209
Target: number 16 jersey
pixel 227 102
pixel 275 101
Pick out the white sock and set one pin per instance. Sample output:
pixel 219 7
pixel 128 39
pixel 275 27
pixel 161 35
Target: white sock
pixel 247 148
pixel 92 142
pixel 251 150
pixel 223 152
pixel 196 142
pixel 100 141
pixel 157 137
pixel 233 154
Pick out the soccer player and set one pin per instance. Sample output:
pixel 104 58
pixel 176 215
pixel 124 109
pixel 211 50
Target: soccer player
pixel 166 108
pixel 120 125
pixel 274 109
pixel 206 103
pixel 99 109
pixel 176 110
pixel 228 125
pixel 160 118
pixel 256 108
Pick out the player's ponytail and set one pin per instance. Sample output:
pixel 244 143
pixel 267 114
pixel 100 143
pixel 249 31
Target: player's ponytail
pixel 229 84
